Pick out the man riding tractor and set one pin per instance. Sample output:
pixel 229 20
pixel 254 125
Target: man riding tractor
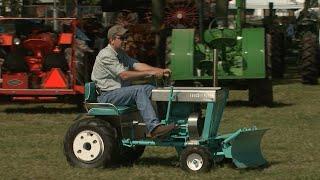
pixel 112 71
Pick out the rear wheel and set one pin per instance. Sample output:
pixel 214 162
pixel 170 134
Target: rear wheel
pixel 90 143
pixel 260 92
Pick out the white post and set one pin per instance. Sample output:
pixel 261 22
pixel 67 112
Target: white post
pixel 55 23
pixel 215 68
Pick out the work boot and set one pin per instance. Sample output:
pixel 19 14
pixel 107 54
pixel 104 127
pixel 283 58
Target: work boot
pixel 162 130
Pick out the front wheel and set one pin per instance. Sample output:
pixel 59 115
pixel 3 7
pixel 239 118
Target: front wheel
pixel 90 143
pixel 195 159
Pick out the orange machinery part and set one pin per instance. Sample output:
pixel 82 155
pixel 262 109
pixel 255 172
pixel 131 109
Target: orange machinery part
pixel 6 39
pixel 65 38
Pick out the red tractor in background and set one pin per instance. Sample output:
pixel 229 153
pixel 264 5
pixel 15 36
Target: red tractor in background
pixel 35 67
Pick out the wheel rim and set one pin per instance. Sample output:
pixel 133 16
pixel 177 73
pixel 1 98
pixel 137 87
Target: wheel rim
pixel 194 162
pixel 88 146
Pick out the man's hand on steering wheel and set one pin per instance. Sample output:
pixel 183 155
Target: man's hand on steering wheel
pixel 166 72
pixel 157 73
pixel 161 73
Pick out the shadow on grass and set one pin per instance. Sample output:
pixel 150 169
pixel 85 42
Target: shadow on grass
pixel 228 163
pixel 239 103
pixel 260 168
pixel 43 110
pixel 171 161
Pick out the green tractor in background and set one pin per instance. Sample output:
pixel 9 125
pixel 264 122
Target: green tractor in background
pixel 295 38
pixel 308 36
pixel 238 53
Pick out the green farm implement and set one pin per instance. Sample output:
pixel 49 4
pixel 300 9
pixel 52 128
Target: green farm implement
pixel 229 50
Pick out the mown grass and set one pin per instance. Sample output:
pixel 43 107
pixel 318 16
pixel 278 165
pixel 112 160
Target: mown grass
pixel 31 139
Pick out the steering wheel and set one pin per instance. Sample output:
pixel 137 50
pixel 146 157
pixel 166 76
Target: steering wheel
pixel 161 82
pixel 216 20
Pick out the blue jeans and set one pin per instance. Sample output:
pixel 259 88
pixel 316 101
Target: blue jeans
pixel 138 95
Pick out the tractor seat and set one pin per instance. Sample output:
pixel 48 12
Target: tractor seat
pixel 102 109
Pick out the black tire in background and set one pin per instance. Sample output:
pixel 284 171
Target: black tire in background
pixel 100 132
pixel 277 53
pixel 318 58
pixel 309 65
pixel 260 92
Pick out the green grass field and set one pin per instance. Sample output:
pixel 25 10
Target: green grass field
pixel 31 139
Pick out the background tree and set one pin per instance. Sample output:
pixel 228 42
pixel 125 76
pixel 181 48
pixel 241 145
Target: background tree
pixel 11 8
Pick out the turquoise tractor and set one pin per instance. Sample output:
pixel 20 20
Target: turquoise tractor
pixel 111 135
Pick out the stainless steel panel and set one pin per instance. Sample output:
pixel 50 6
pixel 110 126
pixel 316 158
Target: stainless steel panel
pixel 193 126
pixel 188 94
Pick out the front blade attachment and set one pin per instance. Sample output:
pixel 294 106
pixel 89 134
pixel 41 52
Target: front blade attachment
pixel 244 148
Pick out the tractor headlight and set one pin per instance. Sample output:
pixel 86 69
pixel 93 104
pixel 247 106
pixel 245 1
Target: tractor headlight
pixel 16 41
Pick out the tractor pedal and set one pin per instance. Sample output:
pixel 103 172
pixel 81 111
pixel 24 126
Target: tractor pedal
pixel 162 130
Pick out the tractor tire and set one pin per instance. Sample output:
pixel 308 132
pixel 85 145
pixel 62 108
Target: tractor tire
pixel 260 92
pixel 277 54
pixel 309 65
pixel 196 159
pixel 91 143
pixel 268 55
pixel 129 155
pixel 318 58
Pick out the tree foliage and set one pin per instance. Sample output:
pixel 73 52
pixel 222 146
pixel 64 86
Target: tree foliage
pixel 89 2
pixel 14 6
